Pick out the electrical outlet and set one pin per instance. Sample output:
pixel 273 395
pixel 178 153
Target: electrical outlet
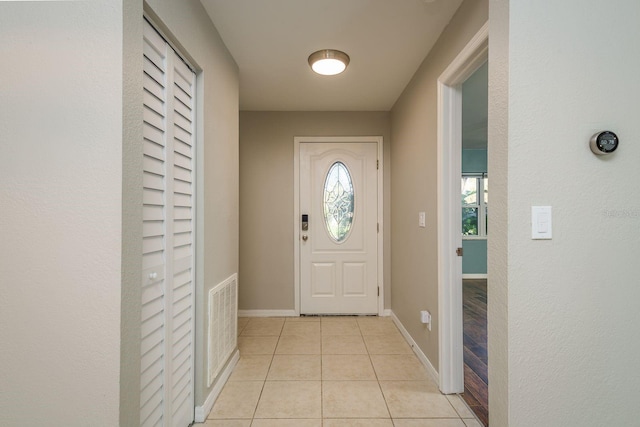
pixel 425 317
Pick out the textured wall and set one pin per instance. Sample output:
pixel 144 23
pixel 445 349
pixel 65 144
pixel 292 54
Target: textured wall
pixel 497 246
pixel 414 266
pixel 266 196
pixel 572 339
pixel 61 212
pixel 132 155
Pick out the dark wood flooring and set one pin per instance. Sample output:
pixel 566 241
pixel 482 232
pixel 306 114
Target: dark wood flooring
pixel 474 301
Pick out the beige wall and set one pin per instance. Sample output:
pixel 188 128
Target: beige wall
pixel 61 212
pixel 497 245
pixel 188 26
pixel 564 311
pixel 266 196
pixel 132 155
pixel 71 195
pixel 414 269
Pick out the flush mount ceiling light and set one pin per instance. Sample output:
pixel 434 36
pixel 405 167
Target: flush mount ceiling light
pixel 328 62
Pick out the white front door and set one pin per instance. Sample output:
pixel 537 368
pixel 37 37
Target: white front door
pixel 338 228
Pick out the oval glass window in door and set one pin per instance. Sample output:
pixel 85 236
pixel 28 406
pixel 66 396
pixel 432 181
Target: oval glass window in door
pixel 338 202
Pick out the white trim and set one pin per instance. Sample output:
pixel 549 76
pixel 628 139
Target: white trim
pixel 474 54
pixel 201 412
pixel 297 140
pixel 474 276
pixel 414 346
pixel 296 227
pixel 386 312
pixel 267 313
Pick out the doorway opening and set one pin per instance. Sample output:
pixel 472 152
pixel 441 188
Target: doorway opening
pixel 475 210
pixel 451 349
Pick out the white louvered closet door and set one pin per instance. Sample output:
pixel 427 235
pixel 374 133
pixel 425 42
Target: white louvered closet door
pixel 167 378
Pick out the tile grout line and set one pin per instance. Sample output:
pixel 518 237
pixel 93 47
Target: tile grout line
pixel 368 350
pixel 321 379
pixel 264 383
pixel 377 378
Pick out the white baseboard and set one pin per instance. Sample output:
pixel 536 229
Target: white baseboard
pixel 423 357
pixel 474 276
pixel 201 412
pixel 284 313
pixel 267 313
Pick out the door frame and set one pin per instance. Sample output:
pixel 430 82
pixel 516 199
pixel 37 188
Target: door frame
pixel 450 329
pixel 297 140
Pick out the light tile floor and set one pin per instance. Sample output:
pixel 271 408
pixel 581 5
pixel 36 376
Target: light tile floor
pixel 331 372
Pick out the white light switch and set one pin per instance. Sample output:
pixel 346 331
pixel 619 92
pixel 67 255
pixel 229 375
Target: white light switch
pixel 422 219
pixel 540 222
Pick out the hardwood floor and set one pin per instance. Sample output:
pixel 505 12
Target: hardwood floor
pixel 474 301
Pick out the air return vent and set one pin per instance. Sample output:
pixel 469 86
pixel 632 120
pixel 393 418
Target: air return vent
pixel 223 325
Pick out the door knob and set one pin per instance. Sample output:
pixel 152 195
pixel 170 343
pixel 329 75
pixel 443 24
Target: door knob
pixel 305 237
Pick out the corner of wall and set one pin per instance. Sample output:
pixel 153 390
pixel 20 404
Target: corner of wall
pixel 131 214
pixel 202 411
pixel 498 304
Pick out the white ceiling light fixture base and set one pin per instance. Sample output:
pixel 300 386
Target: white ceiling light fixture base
pixel 328 62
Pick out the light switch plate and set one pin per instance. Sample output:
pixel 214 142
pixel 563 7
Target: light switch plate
pixel 541 222
pixel 422 221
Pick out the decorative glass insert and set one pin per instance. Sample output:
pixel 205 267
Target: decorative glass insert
pixel 338 201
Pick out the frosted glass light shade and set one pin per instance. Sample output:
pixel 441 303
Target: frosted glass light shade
pixel 328 62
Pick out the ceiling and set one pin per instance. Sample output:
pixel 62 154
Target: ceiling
pixel 271 40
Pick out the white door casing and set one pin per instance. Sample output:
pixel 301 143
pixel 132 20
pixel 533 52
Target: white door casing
pixel 338 275
pixel 450 325
pixel 167 321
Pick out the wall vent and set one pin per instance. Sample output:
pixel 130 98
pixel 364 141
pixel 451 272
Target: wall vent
pixel 223 325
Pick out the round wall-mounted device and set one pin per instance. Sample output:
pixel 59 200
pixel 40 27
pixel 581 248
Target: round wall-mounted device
pixel 604 142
